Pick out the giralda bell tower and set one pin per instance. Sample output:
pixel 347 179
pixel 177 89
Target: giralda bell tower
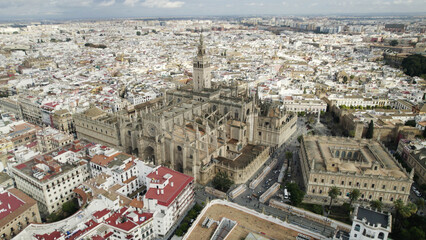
pixel 202 72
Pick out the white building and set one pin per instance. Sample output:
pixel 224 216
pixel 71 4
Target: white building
pixel 293 104
pixel 120 166
pixel 368 224
pixel 169 195
pixel 357 100
pixel 51 179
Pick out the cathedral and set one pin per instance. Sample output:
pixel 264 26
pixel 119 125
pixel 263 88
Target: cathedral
pixel 199 130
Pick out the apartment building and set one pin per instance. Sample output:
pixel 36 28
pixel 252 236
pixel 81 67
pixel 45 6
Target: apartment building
pixel 49 139
pixel 51 178
pixel 169 195
pixel 17 211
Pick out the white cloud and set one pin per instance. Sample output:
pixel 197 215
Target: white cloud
pixel 130 2
pixel 255 4
pixel 284 3
pixel 402 1
pixel 162 4
pixel 107 4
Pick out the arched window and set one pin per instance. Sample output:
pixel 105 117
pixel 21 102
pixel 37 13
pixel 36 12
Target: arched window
pixel 381 235
pixel 179 148
pixel 357 227
pixel 343 154
pixel 337 153
pixel 214 107
pixel 349 154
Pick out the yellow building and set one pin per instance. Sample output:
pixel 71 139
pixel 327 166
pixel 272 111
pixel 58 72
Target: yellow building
pixel 17 211
pixel 348 164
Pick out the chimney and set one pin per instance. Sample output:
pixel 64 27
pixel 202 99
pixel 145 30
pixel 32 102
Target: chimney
pixel 158 192
pixel 8 205
pixel 171 184
pixel 162 191
pixel 156 172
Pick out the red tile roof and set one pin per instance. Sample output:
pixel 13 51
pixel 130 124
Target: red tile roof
pixel 9 203
pixel 52 236
pixel 126 225
pixel 101 213
pixel 180 181
pixel 90 225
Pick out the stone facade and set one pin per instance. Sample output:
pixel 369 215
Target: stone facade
pixel 23 210
pixel 196 131
pixel 62 120
pixel 352 164
pixel 31 111
pixel 414 154
pixel 97 126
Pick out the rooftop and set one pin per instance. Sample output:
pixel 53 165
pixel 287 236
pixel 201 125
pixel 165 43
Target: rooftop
pixel 359 156
pixel 179 180
pixel 373 217
pixel 12 204
pixel 247 221
pixel 248 154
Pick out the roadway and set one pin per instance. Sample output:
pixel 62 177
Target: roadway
pixel 250 198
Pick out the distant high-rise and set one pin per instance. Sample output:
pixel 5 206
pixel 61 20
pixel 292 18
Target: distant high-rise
pixel 202 71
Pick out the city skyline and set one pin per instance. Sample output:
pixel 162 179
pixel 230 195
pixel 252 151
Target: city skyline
pixel 101 9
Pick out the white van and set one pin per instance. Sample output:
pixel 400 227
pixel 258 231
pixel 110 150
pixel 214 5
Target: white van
pixel 285 193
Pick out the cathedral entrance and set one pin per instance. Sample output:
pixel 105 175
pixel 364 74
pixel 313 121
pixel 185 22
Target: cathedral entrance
pixel 148 154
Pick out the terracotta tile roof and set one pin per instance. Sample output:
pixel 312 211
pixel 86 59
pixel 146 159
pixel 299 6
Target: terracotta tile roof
pixel 52 236
pixel 18 201
pixel 136 203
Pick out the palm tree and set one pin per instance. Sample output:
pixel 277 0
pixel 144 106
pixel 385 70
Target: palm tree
pixel 354 195
pixel 420 203
pixel 333 193
pixel 403 211
pixel 376 204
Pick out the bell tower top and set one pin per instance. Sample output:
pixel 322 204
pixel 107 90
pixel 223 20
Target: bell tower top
pixel 202 73
pixel 201 47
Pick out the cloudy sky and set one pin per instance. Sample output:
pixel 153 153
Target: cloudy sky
pixel 63 9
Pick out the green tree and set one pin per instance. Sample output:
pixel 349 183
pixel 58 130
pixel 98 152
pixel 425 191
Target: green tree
pixel 354 195
pixel 288 155
pixel 222 182
pixel 296 194
pixel 311 119
pixel 414 233
pixel 70 207
pixel 376 204
pixel 420 203
pixel 411 123
pixel 138 33
pixel 393 42
pixel 370 130
pixel 403 211
pixel 333 193
pixel 414 65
